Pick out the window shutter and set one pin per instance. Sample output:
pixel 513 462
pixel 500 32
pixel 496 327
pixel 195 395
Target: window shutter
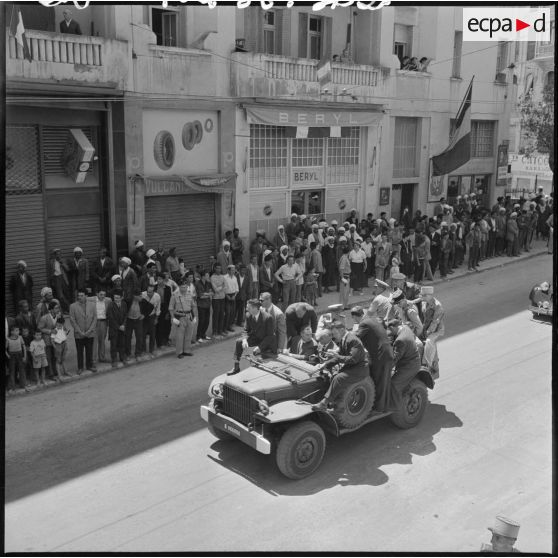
pixel 279 16
pixel 302 35
pixel 250 25
pixel 327 38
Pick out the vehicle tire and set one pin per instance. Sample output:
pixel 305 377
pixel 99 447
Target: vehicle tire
pixel 415 400
pixel 301 450
pixel 220 434
pixel 355 403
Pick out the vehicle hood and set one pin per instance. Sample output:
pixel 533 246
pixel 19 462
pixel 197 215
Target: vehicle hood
pixel 254 381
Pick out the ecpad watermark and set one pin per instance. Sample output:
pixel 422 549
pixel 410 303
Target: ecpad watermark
pixel 506 24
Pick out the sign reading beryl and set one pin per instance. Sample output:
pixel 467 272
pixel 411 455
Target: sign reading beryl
pixel 307 175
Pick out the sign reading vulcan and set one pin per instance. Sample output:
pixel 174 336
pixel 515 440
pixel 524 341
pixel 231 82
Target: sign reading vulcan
pixel 506 24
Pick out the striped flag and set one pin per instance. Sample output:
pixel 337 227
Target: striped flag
pixel 18 31
pixel 459 150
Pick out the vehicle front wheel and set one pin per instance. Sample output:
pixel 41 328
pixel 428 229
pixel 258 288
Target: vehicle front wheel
pixel 220 434
pixel 413 406
pixel 301 450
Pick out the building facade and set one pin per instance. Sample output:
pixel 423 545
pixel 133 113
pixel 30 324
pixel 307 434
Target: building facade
pixel 203 119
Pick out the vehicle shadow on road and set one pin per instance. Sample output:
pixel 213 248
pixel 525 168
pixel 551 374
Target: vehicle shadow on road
pixel 353 459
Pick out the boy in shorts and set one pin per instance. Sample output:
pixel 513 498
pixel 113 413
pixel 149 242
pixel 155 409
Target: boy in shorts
pixel 37 348
pixel 59 339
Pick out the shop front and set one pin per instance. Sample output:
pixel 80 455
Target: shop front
pixel 305 161
pixel 530 174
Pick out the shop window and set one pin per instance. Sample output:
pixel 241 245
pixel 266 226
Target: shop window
pixel 402 40
pixel 308 202
pixel 482 138
pixel 343 156
pixel 405 147
pixel 457 50
pixel 268 156
pixel 23 166
pixel 308 152
pixel 269 31
pixel 164 25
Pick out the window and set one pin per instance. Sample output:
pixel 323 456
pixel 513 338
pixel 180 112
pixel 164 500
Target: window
pixel 502 56
pixel 531 50
pixel 402 40
pixel 23 166
pixel 307 202
pixel 269 31
pixel 405 147
pixel 268 156
pixel 549 80
pixel 308 152
pixel 457 48
pixel 482 138
pixel 314 37
pixel 163 24
pixel 343 156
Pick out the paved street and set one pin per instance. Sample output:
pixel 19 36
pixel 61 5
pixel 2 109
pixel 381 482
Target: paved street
pixel 122 462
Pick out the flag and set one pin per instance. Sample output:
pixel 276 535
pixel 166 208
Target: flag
pixel 459 150
pixel 18 31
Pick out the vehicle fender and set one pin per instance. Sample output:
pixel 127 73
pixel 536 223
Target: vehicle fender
pixel 425 377
pixel 288 411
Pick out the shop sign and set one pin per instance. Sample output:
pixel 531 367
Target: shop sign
pixel 166 188
pixel 535 164
pixel 307 175
pixel 502 168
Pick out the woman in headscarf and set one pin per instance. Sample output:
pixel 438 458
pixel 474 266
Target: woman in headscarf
pixel 42 308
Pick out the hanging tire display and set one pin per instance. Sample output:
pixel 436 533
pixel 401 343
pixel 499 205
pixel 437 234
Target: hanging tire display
pixel 192 134
pixel 163 150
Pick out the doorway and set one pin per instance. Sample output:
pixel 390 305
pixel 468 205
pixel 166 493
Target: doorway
pixel 402 197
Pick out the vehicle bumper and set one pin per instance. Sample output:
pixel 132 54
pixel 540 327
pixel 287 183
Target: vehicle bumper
pixel 235 429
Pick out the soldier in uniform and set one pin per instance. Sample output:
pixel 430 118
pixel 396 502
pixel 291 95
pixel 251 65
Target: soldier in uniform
pixel 431 314
pixel 351 357
pixel 504 535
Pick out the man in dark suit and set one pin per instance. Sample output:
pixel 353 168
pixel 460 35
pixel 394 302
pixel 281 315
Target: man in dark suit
pixel 78 270
pixel 268 282
pixel 374 338
pixel 116 318
pixel 351 357
pixel 259 334
pixel 130 281
pixel 406 361
pixel 242 295
pixel 298 315
pixel 21 285
pixel 68 25
pixel 102 270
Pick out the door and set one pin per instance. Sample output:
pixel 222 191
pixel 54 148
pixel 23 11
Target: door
pixel 407 198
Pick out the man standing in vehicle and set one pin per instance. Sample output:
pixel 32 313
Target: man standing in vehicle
pixel 259 334
pixel 279 321
pixel 351 357
pixel 431 314
pixel 406 360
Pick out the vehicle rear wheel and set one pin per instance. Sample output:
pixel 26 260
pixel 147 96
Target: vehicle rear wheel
pixel 413 405
pixel 220 434
pixel 301 450
pixel 354 404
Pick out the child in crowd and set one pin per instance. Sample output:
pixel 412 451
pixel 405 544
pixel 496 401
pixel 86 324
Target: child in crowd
pixel 381 263
pixel 17 354
pixel 59 342
pixel 27 335
pixel 310 287
pixel 393 269
pixel 37 348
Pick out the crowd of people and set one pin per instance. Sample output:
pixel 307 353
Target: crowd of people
pixel 413 64
pixel 153 298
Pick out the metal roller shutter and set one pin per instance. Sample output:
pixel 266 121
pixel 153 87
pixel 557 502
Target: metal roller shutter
pixel 68 232
pixel 25 240
pixel 187 222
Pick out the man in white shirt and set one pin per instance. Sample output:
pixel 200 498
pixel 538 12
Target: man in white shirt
pixel 150 321
pixel 231 289
pixel 101 306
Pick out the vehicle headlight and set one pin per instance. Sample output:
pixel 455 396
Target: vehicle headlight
pixel 263 407
pixel 216 390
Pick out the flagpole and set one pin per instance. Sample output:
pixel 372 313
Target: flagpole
pixel 465 96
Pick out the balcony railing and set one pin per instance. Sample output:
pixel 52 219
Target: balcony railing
pixel 298 69
pixel 354 74
pixel 54 47
pixel 544 50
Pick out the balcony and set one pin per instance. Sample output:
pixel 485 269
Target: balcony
pixel 266 75
pixel 62 59
pixel 544 50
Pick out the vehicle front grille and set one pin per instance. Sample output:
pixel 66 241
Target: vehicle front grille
pixel 238 405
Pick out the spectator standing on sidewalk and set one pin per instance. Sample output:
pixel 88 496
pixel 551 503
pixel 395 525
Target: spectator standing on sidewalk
pixel 244 283
pixel 164 322
pixel 58 270
pixel 268 283
pixel 130 281
pixel 21 285
pixel 172 265
pixel 491 221
pixel 60 346
pixel 231 290
pixel 329 261
pixel 237 247
pixel 224 257
pixel 138 257
pixel 344 276
pixel 357 257
pixel 512 232
pixel 83 317
pixel 116 317
pixel 473 241
pixel 134 325
pixel 42 307
pixel 287 275
pixel 39 361
pixel 381 263
pixel 204 294
pixel 501 225
pixel 184 312
pixel 218 301
pixel 254 277
pixel 101 306
pixel 151 318
pixel 17 354
pixel 78 268
pixel 102 269
pixel 47 325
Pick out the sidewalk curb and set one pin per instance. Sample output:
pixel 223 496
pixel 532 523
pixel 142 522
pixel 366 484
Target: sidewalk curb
pixel 169 351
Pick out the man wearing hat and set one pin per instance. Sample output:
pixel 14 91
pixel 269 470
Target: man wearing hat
pixel 512 233
pixel 237 247
pixel 130 281
pixel 116 285
pixel 406 311
pixel 78 272
pixel 224 257
pixel 280 238
pixel 58 271
pixel 431 314
pixel 102 270
pixel 504 536
pixel 292 229
pixel 138 257
pixel 380 305
pixel 21 286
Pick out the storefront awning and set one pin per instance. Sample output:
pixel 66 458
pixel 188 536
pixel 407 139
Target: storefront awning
pixel 310 117
pixel 176 185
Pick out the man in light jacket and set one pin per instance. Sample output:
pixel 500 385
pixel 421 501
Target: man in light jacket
pixel 83 317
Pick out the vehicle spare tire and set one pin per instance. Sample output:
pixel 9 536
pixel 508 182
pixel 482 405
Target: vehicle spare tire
pixel 220 434
pixel 413 406
pixel 301 450
pixel 354 404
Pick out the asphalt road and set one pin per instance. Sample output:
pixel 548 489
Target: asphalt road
pixel 122 461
